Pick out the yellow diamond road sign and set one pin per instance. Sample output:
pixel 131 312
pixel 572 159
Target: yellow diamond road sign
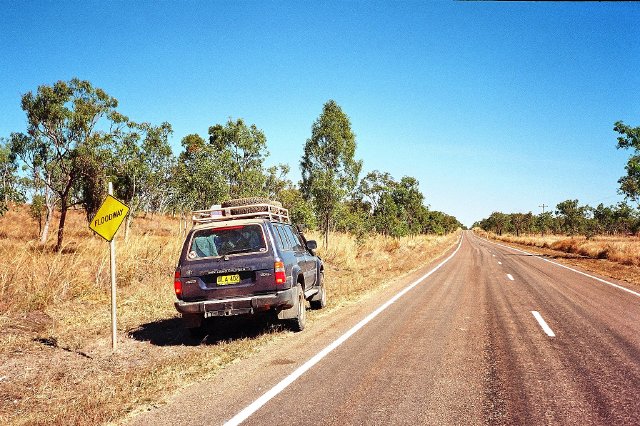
pixel 109 218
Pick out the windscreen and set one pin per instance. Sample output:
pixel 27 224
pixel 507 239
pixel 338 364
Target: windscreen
pixel 227 241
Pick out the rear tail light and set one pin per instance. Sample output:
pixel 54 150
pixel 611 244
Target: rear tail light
pixel 177 284
pixel 279 272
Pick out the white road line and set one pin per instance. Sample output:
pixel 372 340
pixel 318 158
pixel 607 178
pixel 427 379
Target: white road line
pixel 543 324
pixel 571 269
pixel 510 277
pixel 271 393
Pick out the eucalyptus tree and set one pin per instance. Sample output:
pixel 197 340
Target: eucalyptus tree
pixel 244 148
pixel 64 122
pixel 10 182
pixel 630 139
pixel 276 181
pixel 625 219
pixel 499 222
pixel 142 168
pixel 440 223
pixel 518 220
pixel 300 210
pixel 572 216
pixel 406 194
pixel 199 176
pixel 544 222
pixel 372 187
pixel 329 169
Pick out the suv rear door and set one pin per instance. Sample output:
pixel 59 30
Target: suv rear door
pixel 228 260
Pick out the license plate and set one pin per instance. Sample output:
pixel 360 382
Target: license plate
pixel 228 279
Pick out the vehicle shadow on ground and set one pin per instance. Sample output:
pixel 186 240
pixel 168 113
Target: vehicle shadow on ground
pixel 171 331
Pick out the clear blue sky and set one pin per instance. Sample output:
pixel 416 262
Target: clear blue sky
pixel 491 106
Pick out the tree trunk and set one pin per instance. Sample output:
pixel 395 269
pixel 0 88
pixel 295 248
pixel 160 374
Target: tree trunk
pixel 127 225
pixel 326 231
pixel 183 219
pixel 47 223
pixel 48 202
pixel 64 206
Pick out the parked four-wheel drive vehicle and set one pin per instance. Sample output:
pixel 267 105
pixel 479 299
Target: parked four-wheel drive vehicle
pixel 245 257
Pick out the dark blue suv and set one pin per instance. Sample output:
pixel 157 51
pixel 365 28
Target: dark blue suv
pixel 245 257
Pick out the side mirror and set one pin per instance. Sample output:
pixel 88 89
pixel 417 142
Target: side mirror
pixel 312 245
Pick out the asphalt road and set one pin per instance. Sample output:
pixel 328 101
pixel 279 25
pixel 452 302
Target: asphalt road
pixel 494 336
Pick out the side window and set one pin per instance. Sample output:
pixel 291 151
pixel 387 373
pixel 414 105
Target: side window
pixel 276 237
pixel 282 238
pixel 294 238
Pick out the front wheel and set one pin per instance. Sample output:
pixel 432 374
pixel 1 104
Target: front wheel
pixel 319 301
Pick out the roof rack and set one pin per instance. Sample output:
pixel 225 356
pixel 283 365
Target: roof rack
pixel 248 211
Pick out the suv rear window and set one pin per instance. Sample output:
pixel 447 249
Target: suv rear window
pixel 227 240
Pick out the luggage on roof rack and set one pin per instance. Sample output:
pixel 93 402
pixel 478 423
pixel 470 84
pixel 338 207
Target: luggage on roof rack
pixel 266 210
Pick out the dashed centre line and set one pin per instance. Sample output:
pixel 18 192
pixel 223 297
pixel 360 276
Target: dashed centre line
pixel 510 277
pixel 543 324
pixel 571 269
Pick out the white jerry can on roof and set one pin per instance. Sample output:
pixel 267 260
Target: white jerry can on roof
pixel 216 210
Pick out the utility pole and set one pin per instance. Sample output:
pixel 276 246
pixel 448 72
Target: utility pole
pixel 543 206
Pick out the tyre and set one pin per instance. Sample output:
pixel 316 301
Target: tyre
pixel 300 320
pixel 237 202
pixel 195 325
pixel 319 301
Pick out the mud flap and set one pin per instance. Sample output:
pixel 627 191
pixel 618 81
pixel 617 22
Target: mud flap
pixel 192 320
pixel 292 312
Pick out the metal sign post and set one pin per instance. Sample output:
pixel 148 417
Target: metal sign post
pixel 112 255
pixel 106 223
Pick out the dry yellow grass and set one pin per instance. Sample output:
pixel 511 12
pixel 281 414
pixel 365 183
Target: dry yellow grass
pixel 57 366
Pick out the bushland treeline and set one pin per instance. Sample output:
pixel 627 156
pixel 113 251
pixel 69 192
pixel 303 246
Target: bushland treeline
pixel 76 141
pixel 569 218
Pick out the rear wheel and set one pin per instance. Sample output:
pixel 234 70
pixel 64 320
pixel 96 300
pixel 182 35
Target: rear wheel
pixel 195 325
pixel 300 320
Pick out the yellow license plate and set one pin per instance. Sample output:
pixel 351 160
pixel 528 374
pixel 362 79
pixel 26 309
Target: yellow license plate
pixel 228 279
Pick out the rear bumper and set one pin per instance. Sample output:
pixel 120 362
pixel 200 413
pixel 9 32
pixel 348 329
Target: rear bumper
pixel 238 305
